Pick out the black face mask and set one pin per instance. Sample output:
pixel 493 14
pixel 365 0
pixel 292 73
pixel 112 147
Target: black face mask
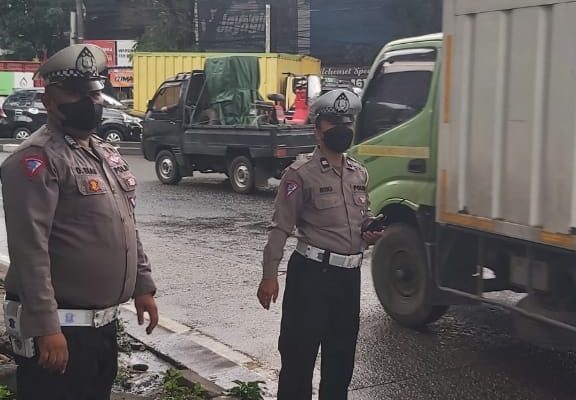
pixel 82 115
pixel 338 139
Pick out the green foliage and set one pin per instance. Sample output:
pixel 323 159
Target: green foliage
pixel 122 378
pixel 247 390
pixel 175 27
pixel 124 341
pixel 5 393
pixel 31 28
pixel 174 390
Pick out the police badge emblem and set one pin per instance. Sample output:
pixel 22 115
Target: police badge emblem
pixel 94 186
pixel 86 63
pixel 342 104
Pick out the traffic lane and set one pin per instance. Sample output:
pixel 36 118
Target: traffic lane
pixel 205 243
pixel 470 354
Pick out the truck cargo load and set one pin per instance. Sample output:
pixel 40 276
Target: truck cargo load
pixel 507 159
pixel 232 85
pixel 151 69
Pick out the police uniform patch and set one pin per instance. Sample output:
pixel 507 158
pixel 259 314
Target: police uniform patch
pixel 94 186
pixel 342 104
pixel 33 165
pixel 291 188
pixel 131 181
pixel 114 159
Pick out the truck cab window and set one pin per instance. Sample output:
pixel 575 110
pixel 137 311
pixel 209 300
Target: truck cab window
pixel 398 92
pixel 168 98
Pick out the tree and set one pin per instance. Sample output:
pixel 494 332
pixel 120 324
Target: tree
pixel 175 27
pixel 32 29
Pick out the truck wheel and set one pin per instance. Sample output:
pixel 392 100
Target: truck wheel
pixel 401 278
pixel 167 168
pixel 241 173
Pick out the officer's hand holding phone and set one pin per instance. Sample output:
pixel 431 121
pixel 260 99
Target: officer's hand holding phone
pixel 374 230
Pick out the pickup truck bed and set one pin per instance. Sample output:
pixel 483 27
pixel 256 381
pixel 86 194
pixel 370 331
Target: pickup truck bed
pixel 270 142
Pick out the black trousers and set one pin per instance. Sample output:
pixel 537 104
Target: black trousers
pixel 321 308
pixel 90 374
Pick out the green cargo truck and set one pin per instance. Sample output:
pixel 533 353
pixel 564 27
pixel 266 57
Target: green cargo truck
pixel 469 139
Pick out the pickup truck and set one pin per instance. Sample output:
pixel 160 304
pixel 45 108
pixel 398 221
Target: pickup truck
pixel 186 129
pixel 468 137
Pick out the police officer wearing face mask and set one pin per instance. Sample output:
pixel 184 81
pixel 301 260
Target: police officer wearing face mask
pixel 75 254
pixel 324 197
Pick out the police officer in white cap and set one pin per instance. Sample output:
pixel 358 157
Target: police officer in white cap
pixel 324 196
pixel 75 254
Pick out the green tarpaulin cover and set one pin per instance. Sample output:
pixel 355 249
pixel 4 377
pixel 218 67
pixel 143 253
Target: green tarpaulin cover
pixel 232 84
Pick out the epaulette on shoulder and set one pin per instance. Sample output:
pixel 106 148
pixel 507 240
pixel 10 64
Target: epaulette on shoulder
pixel 99 139
pixel 354 163
pixel 301 161
pixel 38 140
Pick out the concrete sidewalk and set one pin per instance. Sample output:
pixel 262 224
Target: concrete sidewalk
pixel 202 359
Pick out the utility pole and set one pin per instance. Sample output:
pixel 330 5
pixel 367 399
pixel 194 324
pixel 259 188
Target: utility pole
pixel 80 21
pixel 196 25
pixel 268 27
pixel 73 32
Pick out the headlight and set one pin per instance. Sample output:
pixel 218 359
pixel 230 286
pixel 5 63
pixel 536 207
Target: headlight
pixel 130 119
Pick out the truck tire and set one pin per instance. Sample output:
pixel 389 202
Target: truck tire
pixel 241 173
pixel 167 168
pixel 401 278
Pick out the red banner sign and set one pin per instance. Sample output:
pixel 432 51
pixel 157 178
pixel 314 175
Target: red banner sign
pixel 109 47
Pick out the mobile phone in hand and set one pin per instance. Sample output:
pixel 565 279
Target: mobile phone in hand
pixel 377 225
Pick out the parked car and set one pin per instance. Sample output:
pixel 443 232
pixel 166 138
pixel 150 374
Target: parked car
pixel 23 113
pixel 112 102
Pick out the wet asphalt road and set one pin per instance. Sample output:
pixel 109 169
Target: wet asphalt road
pixel 205 244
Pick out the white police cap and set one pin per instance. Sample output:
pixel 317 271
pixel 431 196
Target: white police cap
pixel 340 104
pixel 78 67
